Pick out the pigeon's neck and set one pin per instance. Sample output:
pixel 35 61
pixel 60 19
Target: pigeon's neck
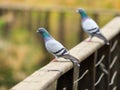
pixel 46 36
pixel 84 16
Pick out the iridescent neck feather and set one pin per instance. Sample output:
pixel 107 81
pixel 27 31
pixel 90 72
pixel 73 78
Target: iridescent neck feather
pixel 83 15
pixel 46 36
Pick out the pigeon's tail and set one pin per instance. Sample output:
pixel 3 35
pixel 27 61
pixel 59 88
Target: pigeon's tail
pixel 74 60
pixel 103 38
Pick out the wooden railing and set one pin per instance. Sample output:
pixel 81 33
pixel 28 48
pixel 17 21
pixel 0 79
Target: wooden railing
pixel 31 18
pixel 99 70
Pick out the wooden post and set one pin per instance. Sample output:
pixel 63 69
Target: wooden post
pixel 29 26
pixel 96 17
pixel 1 11
pixel 39 19
pixel 75 77
pixel 80 33
pixel 61 29
pixel 47 18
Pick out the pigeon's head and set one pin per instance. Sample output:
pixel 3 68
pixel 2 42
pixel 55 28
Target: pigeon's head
pixel 41 30
pixel 82 12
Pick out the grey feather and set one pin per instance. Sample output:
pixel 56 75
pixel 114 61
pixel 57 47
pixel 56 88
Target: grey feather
pixel 103 38
pixel 56 48
pixel 72 58
pixel 90 26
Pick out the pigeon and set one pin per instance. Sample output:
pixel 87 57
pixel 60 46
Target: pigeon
pixel 90 26
pixel 56 48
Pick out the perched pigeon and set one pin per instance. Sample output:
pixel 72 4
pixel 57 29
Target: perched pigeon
pixel 90 26
pixel 56 48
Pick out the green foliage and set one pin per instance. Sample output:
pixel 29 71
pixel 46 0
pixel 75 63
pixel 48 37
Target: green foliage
pixel 6 76
pixel 2 25
pixel 19 53
pixel 20 36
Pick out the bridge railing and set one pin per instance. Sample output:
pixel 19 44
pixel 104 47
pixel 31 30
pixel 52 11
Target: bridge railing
pixel 99 70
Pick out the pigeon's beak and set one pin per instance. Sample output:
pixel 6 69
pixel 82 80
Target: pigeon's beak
pixel 37 31
pixel 77 11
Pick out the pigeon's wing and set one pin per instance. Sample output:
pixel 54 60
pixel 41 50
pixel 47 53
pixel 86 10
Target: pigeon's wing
pixel 92 29
pixel 58 50
pixel 99 35
pixel 90 26
pixel 55 48
pixel 74 60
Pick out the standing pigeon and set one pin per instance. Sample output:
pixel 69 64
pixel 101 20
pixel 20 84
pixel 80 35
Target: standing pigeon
pixel 56 48
pixel 90 26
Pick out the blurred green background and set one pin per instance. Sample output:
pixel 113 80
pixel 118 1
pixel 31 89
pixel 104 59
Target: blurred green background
pixel 21 48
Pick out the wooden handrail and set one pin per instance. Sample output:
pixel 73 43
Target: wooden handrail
pixel 44 77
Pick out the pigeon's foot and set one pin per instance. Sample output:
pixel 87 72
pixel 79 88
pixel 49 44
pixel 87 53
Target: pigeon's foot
pixel 54 60
pixel 88 40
